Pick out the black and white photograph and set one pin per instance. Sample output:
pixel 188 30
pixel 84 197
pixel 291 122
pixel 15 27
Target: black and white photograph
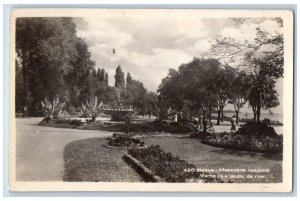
pixel 151 100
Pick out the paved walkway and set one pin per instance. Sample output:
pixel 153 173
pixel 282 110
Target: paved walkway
pixel 39 149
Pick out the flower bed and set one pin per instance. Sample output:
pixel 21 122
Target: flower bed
pixel 169 167
pixel 125 142
pixel 257 137
pixel 142 134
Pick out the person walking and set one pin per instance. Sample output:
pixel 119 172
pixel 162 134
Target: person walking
pixel 233 122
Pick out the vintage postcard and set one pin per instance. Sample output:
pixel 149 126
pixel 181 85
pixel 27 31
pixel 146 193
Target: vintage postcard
pixel 174 100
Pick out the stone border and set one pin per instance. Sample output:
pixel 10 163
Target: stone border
pixel 124 148
pixel 145 171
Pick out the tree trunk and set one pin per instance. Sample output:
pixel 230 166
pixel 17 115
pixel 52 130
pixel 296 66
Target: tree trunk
pixel 26 89
pixel 237 116
pixel 258 113
pixel 222 113
pixel 204 121
pixel 209 115
pixel 199 120
pixel 254 109
pixel 219 116
pixel 204 118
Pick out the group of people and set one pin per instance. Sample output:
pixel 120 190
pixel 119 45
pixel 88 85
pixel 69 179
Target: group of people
pixel 211 125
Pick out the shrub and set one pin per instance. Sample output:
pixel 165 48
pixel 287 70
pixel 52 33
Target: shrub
pixel 236 141
pixel 92 108
pixel 168 167
pixel 96 123
pixel 120 115
pixel 51 109
pixel 257 129
pixel 76 122
pixel 62 121
pixel 125 142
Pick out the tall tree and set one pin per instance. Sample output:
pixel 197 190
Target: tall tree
pixel 106 79
pixel 261 60
pixel 194 82
pixel 119 78
pixel 55 62
pixel 128 78
pixel 45 47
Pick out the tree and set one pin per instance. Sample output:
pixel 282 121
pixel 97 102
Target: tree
pixel 128 79
pixel 80 79
pixel 106 79
pixel 47 49
pixel 194 83
pixel 19 97
pixel 262 67
pixel 119 78
pixel 239 92
pixel 161 109
pixel 262 93
pixel 133 94
pixel 224 83
pixel 171 90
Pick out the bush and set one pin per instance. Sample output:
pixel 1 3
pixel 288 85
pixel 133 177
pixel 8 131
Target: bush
pixel 257 129
pixel 201 134
pixel 97 123
pixel 119 115
pixel 121 141
pixel 92 108
pixel 167 166
pixel 62 121
pixel 76 122
pixel 51 109
pixel 236 141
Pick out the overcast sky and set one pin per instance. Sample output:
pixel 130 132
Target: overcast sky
pixel 147 47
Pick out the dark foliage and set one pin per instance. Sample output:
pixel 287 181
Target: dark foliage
pixel 75 122
pixel 236 141
pixel 165 165
pixel 257 129
pixel 121 141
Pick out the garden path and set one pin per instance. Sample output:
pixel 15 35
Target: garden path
pixel 39 150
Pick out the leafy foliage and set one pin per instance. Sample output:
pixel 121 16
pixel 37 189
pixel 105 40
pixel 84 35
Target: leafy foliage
pixel 170 168
pixel 92 108
pixel 119 78
pixel 51 109
pixel 122 141
pixel 262 61
pixel 252 136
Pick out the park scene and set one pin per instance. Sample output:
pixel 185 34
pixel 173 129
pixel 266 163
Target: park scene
pixel 129 99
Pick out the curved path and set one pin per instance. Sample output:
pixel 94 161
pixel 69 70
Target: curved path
pixel 39 149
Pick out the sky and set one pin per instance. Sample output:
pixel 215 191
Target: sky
pixel 147 46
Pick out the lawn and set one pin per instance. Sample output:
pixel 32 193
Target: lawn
pixel 88 160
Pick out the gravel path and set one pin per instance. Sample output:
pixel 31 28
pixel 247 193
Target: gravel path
pixel 39 149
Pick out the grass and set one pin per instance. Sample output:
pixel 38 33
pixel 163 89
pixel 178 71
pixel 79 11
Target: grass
pixel 205 156
pixel 88 160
